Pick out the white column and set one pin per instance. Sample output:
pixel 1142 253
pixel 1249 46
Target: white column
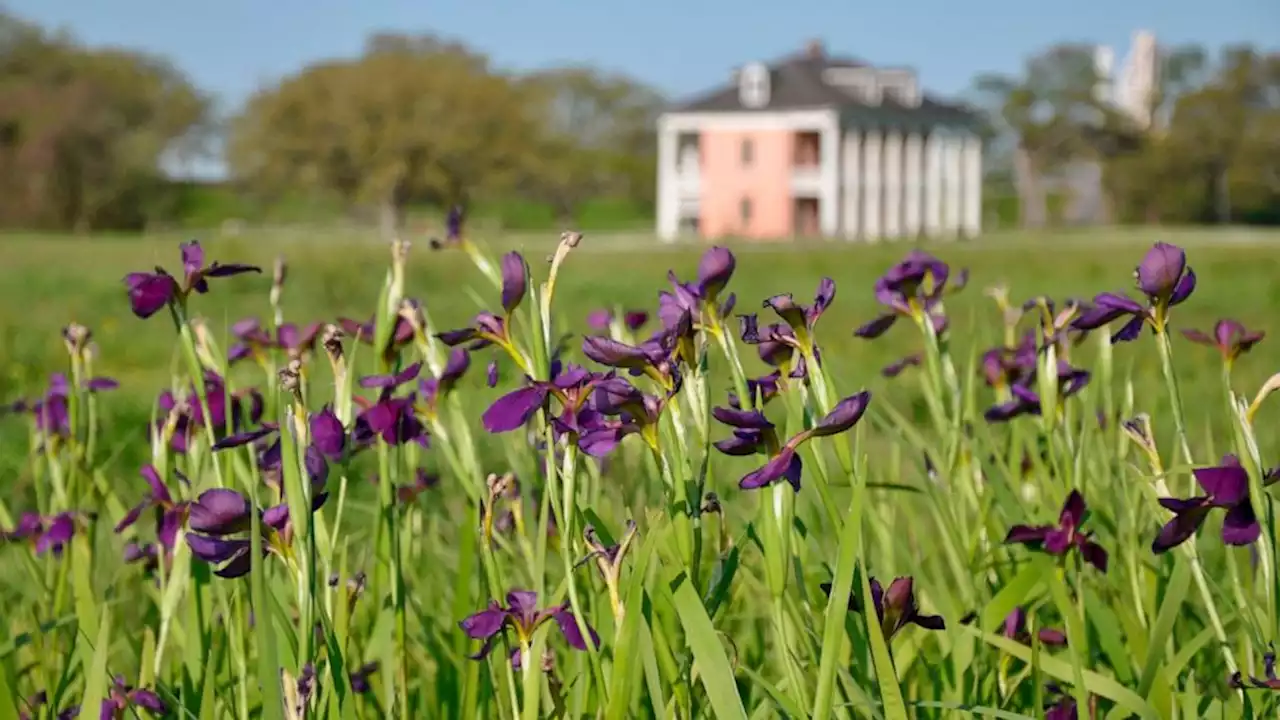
pixel 851 183
pixel 892 184
pixel 972 161
pixel 872 160
pixel 829 177
pixel 911 181
pixel 951 178
pixel 933 184
pixel 667 197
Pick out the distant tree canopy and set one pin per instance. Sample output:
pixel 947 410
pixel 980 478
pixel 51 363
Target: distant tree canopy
pixel 83 131
pixel 420 121
pixel 1212 154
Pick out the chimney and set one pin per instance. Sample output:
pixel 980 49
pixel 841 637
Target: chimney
pixel 814 49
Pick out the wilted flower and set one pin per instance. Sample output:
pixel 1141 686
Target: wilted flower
pixel 895 608
pixel 122 697
pixel 1062 538
pixel 1226 487
pixel 1229 337
pixel 521 615
pixel 1165 279
pixel 754 433
pixel 150 292
pixel 1015 628
pixel 912 288
pixel 1004 367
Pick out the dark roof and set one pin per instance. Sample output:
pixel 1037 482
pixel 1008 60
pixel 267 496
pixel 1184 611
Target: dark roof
pixel 795 83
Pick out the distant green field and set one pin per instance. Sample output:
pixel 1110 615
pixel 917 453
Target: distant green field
pixel 53 280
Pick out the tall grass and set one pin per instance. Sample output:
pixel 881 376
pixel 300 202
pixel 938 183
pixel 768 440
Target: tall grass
pixel 347 525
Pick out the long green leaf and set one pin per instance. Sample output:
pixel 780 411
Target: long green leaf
pixel 1170 606
pixel 708 652
pixel 1099 685
pixel 95 680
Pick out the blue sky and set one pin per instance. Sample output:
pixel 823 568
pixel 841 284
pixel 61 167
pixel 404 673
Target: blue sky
pixel 681 46
pixel 231 47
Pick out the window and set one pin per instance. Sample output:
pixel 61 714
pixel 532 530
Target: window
pixel 748 151
pixel 753 86
pixel 744 212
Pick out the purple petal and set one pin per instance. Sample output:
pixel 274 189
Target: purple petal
pixel 1027 534
pixel 572 635
pixel 514 281
pixel 327 434
pixel 1227 485
pixel 393 380
pixel 149 293
pixel 1161 270
pixel 844 415
pixel 714 271
pixel 192 257
pixel 1182 527
pixel 1130 331
pixel 219 511
pixel 513 410
pixel 785 465
pixel 1073 511
pixel 744 419
pixel 215 550
pixel 1240 526
pixel 876 327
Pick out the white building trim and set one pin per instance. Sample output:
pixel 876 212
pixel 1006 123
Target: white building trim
pixel 971 161
pixel 781 120
pixel 933 184
pixel 952 181
pixel 829 178
pixel 851 184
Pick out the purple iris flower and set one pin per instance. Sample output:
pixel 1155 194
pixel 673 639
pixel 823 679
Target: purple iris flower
pixel 453 228
pixel 486 328
pixel 1163 277
pixel 618 409
pixel 573 387
pixel 895 608
pixel 422 482
pixel 170 514
pixel 51 411
pixel 434 390
pixel 1230 337
pixel 1027 401
pixel 242 408
pixel 45 534
pixel 402 335
pixel 390 417
pixel 1015 628
pixel 219 520
pixel 913 288
pixel 1268 682
pixel 254 341
pixel 41 699
pixel 602 320
pixel 522 616
pixel 1065 536
pixel 776 344
pixel 1062 707
pixel 122 697
pixel 715 269
pixel 328 436
pixel 895 368
pixel 491 374
pixel 1226 487
pixel 754 433
pixel 151 292
pixel 1004 367
pixel 801 318
pixel 515 281
pixel 655 357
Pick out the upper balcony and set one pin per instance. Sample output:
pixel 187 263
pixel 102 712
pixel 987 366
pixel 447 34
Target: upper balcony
pixel 806 163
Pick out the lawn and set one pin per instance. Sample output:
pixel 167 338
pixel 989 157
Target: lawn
pixel 724 615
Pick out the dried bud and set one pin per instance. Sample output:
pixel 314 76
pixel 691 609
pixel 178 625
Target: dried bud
pixel 399 251
pixel 280 271
pixel 548 661
pixel 570 238
pixel 711 504
pixel 77 338
pixel 291 377
pixel 332 342
pixel 500 485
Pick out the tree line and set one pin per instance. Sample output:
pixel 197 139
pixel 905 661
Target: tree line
pixel 88 135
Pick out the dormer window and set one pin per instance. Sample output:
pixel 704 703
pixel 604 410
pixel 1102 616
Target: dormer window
pixel 900 86
pixel 753 85
pixel 859 83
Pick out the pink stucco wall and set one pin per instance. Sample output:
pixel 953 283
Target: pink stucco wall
pixel 766 182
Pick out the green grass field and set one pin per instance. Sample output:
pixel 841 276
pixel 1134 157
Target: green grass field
pixel 723 618
pixel 54 280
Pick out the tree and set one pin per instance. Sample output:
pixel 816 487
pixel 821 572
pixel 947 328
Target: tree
pixel 414 119
pixel 596 138
pixel 83 132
